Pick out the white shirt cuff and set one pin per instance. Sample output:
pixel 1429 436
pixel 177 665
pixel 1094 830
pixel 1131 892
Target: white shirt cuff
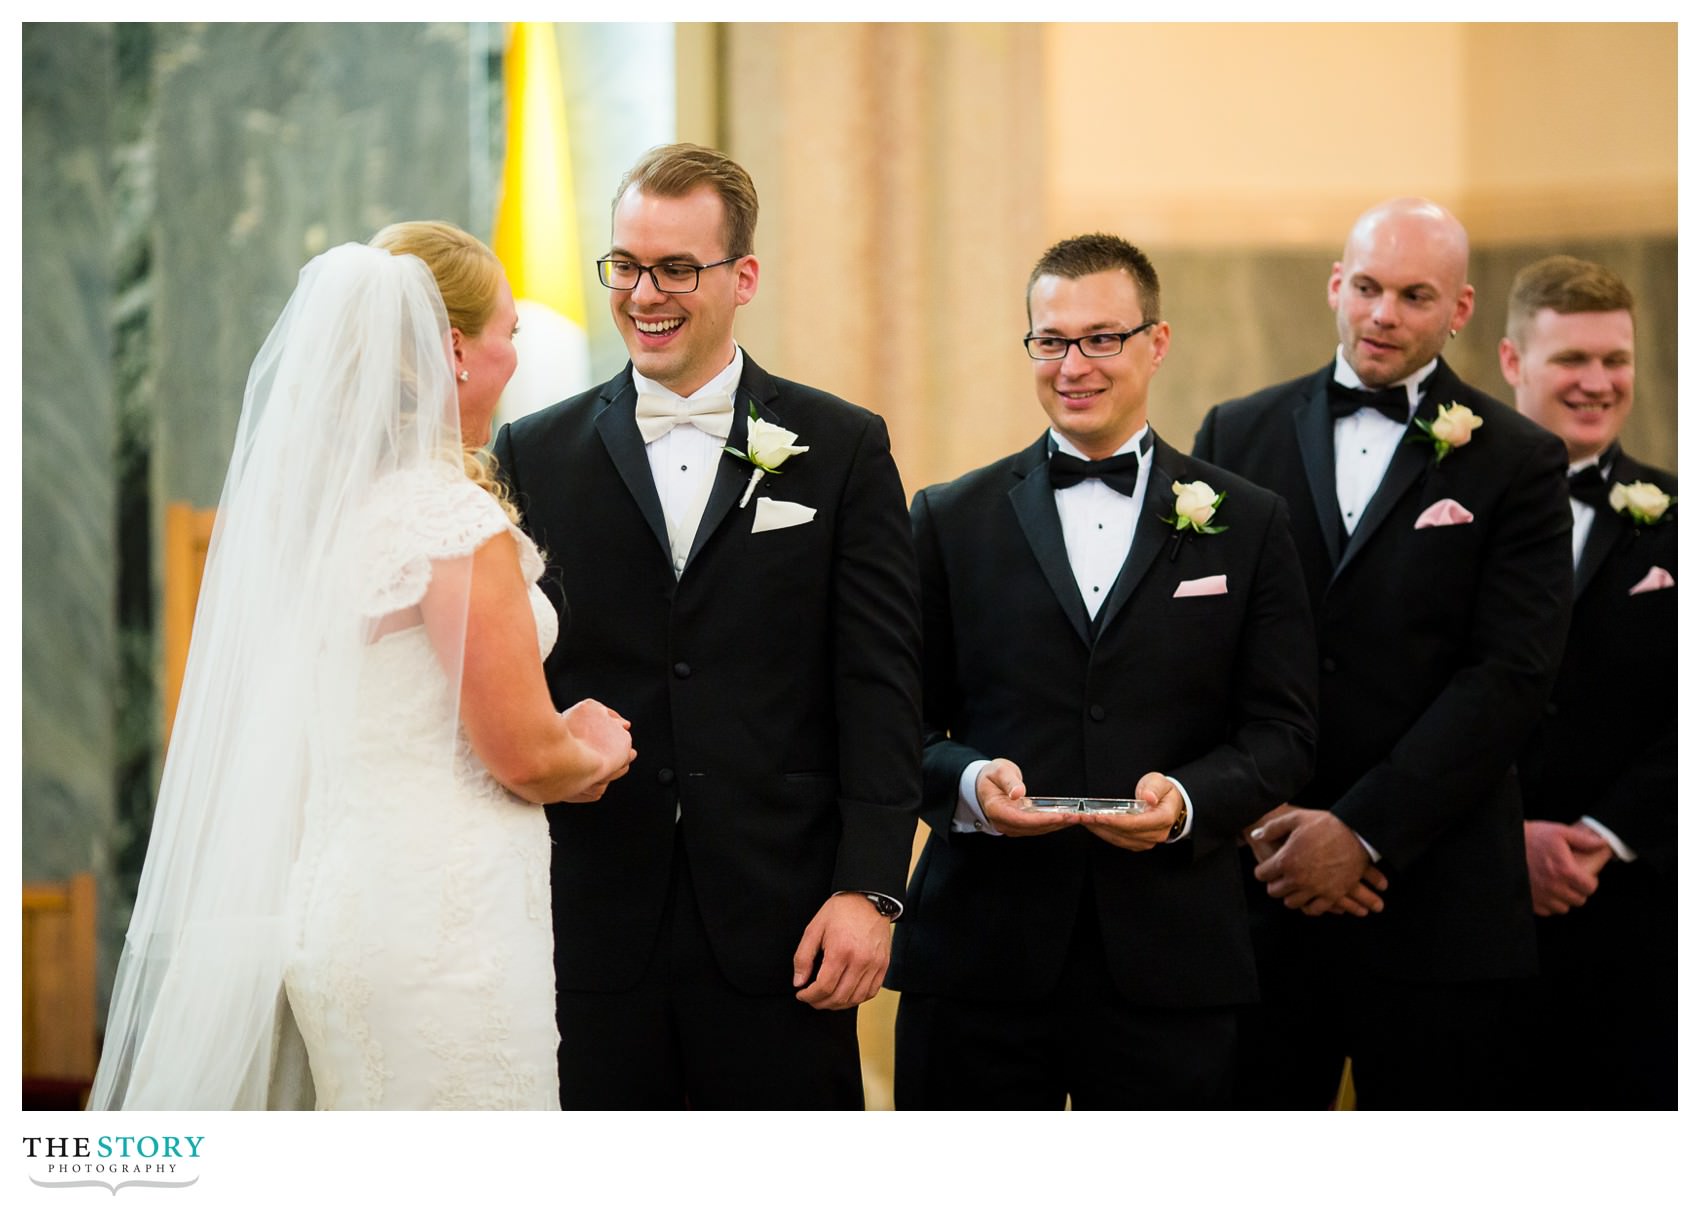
pixel 1191 812
pixel 1374 854
pixel 1616 843
pixel 968 817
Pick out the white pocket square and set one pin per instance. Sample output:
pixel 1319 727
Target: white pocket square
pixel 1444 513
pixel 777 515
pixel 1656 578
pixel 1203 587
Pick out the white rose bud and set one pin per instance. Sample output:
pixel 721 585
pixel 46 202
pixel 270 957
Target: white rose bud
pixel 1454 425
pixel 770 444
pixel 1195 502
pixel 1641 499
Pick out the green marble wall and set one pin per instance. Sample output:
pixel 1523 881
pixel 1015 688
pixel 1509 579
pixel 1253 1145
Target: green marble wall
pixel 176 179
pixel 70 641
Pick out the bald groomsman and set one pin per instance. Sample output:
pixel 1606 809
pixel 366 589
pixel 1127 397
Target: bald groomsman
pixel 1391 898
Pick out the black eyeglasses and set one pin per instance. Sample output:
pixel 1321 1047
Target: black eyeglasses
pixel 1093 344
pixel 670 277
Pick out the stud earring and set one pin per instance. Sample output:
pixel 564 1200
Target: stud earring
pixel 464 376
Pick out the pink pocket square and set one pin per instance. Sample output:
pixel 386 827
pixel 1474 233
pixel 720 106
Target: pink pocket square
pixel 1203 587
pixel 1656 578
pixel 1444 513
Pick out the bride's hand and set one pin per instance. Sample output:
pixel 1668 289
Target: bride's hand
pixel 607 734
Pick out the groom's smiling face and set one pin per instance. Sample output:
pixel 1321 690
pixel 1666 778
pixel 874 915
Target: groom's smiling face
pixel 679 340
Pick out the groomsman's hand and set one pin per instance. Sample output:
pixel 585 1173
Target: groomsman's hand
pixel 1318 862
pixel 1564 864
pixel 853 942
pixel 1141 830
pixel 1000 787
pixel 1361 900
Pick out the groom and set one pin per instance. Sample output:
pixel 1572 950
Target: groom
pixel 722 910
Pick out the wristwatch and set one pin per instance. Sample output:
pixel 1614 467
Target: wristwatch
pixel 888 908
pixel 1180 823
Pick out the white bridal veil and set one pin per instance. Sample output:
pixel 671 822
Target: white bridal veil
pixel 354 384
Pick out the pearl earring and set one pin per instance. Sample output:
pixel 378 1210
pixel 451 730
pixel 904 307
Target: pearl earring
pixel 464 376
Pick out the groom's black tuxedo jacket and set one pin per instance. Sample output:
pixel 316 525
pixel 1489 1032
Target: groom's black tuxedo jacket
pixel 1438 647
pixel 1216 691
pixel 773 688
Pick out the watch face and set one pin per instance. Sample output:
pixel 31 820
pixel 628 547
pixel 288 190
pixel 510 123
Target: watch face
pixel 886 906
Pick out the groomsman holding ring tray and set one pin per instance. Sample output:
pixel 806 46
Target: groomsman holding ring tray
pixel 1089 943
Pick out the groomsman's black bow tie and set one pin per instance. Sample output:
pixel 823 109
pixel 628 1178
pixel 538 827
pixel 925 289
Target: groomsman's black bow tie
pixel 1590 487
pixel 1120 472
pixel 1394 403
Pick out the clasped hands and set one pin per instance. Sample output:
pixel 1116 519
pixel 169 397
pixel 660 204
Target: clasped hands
pixel 1310 860
pixel 1564 864
pixel 608 735
pixel 1000 787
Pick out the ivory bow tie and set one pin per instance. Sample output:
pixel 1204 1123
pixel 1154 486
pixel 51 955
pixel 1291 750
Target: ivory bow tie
pixel 657 415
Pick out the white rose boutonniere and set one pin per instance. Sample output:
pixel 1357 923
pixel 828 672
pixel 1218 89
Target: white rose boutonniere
pixel 1451 428
pixel 1195 504
pixel 769 446
pixel 1644 503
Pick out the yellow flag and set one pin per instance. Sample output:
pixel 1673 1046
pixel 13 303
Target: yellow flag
pixel 536 230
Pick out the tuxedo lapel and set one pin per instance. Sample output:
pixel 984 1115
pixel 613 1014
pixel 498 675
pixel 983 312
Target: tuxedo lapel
pixel 1315 428
pixel 732 476
pixel 1410 460
pixel 617 425
pixel 1035 507
pixel 1150 531
pixel 1603 535
pixel 1609 526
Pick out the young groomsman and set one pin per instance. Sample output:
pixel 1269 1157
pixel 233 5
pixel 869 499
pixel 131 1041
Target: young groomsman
pixel 1599 775
pixel 1102 616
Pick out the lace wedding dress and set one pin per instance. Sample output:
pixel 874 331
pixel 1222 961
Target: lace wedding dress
pixel 420 967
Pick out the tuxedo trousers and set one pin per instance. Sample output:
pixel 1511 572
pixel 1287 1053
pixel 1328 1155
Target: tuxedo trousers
pixel 1083 1043
pixel 1414 1045
pixel 684 1037
pixel 1597 1029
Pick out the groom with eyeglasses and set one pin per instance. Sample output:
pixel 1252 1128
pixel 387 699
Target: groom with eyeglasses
pixel 1121 630
pixel 732 566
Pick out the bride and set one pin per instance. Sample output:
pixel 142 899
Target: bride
pixel 345 901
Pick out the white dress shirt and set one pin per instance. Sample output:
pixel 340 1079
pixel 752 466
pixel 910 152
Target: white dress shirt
pixel 1365 441
pixel 1363 447
pixel 1582 516
pixel 684 460
pixel 1097 525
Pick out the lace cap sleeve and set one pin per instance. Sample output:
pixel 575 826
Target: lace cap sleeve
pixel 413 518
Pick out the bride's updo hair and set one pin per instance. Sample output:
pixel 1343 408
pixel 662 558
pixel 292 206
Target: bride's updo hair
pixel 468 276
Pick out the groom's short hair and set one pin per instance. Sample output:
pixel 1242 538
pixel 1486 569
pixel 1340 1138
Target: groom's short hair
pixel 1080 256
pixel 676 169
